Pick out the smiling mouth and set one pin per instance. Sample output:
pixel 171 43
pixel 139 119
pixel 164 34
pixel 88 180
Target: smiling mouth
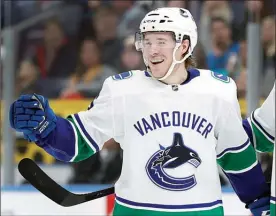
pixel 155 63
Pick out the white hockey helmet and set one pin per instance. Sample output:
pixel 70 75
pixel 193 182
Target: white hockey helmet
pixel 169 19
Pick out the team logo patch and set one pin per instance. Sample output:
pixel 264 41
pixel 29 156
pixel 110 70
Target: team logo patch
pixel 122 76
pixel 174 157
pixel 221 77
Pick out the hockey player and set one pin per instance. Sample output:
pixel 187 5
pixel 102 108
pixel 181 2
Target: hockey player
pixel 174 125
pixel 260 127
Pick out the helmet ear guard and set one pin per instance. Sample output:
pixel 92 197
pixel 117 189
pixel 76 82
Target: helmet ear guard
pixel 139 41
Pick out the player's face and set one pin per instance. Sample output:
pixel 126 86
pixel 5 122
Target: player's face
pixel 220 32
pixel 157 50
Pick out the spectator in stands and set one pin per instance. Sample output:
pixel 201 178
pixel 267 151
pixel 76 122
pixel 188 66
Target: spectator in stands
pixel 209 10
pixel 121 6
pixel 260 8
pixel 90 74
pixel 105 22
pixel 56 57
pixel 269 59
pixel 54 60
pixel 86 26
pixel 130 58
pixel 223 48
pixel 27 76
pixel 252 11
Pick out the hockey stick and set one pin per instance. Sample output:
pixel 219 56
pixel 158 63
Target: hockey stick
pixel 42 182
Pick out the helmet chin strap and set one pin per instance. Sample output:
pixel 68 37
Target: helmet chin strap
pixel 175 62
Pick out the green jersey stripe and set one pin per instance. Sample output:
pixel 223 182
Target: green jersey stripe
pixel 76 142
pixel 83 149
pixel 272 209
pixel 262 142
pixel 82 133
pixel 121 210
pixel 234 149
pixel 261 127
pixel 240 161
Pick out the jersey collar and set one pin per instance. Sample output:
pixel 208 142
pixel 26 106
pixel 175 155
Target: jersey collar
pixel 192 73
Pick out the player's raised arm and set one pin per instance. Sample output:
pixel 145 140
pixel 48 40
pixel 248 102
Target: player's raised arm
pixel 73 139
pixel 237 157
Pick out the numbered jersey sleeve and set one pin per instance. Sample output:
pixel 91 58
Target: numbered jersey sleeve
pixel 235 154
pixel 94 126
pixel 260 126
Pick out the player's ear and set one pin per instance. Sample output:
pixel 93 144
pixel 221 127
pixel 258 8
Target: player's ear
pixel 185 46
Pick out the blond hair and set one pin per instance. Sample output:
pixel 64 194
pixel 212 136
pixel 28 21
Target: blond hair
pixel 190 62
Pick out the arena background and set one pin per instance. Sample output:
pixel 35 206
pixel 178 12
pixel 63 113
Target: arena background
pixel 64 49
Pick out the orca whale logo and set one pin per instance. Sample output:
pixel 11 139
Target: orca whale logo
pixel 171 158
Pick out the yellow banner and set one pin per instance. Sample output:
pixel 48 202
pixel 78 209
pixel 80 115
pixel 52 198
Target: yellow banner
pixel 65 107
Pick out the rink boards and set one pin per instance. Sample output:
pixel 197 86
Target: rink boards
pixel 25 200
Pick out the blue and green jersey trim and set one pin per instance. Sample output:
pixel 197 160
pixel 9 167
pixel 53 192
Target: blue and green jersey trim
pixel 263 141
pixel 128 207
pixel 85 145
pixel 229 159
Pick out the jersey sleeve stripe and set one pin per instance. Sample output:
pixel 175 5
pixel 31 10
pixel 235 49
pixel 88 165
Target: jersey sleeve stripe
pixel 76 142
pixel 162 206
pixel 84 133
pixel 240 161
pixel 234 149
pixel 259 126
pixel 248 129
pixel 262 143
pixel 82 149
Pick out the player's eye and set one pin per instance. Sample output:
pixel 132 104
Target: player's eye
pixel 147 43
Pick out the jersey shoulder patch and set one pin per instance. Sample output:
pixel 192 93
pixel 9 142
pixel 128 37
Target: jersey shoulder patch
pixel 221 77
pixel 122 76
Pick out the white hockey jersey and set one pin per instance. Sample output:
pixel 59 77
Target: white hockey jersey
pixel 262 132
pixel 172 138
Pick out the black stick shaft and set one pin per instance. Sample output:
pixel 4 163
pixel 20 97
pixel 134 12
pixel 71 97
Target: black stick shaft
pixel 47 186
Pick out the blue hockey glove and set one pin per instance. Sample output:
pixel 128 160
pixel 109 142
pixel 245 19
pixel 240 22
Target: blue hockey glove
pixel 32 115
pixel 260 207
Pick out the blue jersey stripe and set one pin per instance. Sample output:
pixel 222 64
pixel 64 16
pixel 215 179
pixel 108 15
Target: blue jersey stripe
pixel 261 127
pixel 248 130
pixel 95 145
pixel 160 206
pixel 234 148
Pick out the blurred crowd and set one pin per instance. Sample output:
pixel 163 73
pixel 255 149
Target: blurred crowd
pixel 70 55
